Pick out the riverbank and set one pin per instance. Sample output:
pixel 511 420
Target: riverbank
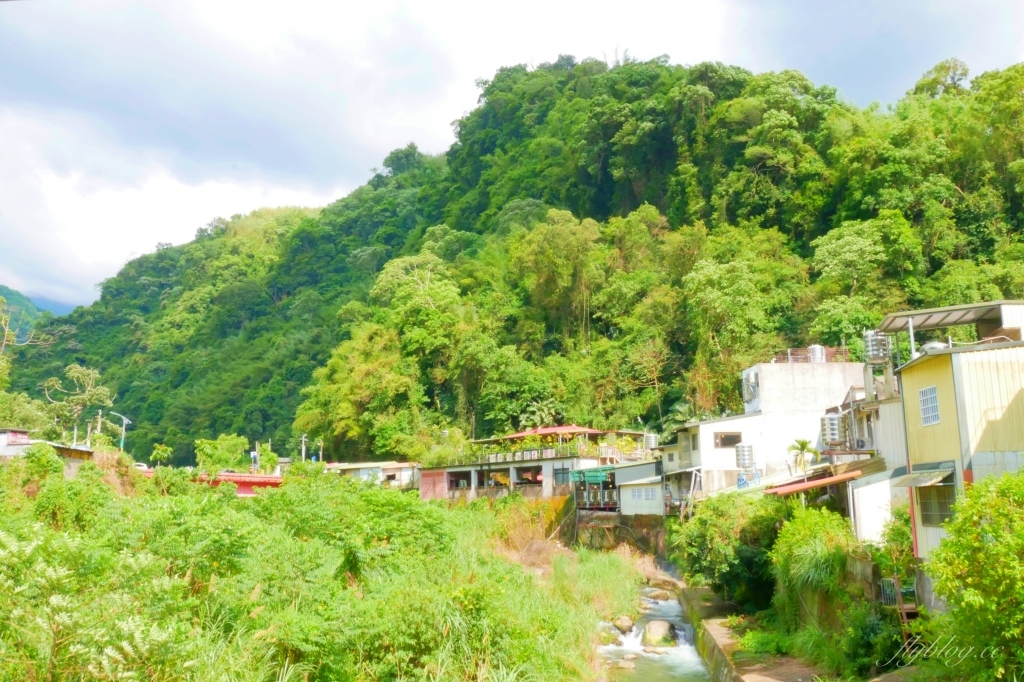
pixel 717 644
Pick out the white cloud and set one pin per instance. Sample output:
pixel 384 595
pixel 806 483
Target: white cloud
pixel 124 124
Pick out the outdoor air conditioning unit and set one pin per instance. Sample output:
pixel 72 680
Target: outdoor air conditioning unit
pixel 750 385
pixel 862 444
pixel 833 429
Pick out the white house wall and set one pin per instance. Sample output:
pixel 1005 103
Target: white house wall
pixel 890 431
pixel 872 507
pixel 790 388
pixel 645 505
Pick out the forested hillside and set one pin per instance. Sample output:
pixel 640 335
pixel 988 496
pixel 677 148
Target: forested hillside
pixel 599 245
pixel 23 311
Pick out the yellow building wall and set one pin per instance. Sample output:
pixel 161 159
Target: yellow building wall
pixel 993 399
pixel 938 442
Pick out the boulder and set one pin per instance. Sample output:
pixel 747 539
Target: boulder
pixel 659 595
pixel 659 632
pixel 655 650
pixel 623 624
pixel 663 581
pixel 627 665
pixel 629 657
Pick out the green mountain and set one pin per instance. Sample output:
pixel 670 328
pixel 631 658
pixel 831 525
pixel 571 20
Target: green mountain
pixel 599 245
pixel 23 312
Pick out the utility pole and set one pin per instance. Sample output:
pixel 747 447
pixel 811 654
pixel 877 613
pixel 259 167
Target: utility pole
pixel 125 421
pixel 303 447
pixel 99 422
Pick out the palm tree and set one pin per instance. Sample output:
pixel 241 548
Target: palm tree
pixel 800 449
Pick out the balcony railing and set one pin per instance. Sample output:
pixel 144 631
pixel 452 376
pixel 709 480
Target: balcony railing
pixel 819 354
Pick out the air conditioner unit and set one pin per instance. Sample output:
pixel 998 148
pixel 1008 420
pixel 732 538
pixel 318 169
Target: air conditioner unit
pixel 750 385
pixel 862 444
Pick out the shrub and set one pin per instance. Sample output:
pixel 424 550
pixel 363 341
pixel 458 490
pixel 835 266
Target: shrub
pixel 766 642
pixel 979 572
pixel 726 545
pixel 809 554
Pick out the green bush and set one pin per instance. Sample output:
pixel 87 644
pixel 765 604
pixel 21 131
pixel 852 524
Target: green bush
pixel 766 642
pixel 979 571
pixel 726 545
pixel 325 578
pixel 809 554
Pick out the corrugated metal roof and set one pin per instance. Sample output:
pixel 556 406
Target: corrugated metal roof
pixel 947 316
pixel 811 485
pixel 920 480
pixel 643 481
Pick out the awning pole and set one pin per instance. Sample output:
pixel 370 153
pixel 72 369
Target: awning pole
pixel 913 346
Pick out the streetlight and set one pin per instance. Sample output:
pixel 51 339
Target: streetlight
pixel 125 421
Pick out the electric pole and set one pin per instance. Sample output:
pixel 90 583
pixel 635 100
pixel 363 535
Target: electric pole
pixel 303 447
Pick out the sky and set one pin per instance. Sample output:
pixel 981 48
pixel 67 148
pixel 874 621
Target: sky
pixel 124 124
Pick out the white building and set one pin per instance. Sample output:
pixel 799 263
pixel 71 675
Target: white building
pixel 642 496
pixel 783 400
pixel 391 474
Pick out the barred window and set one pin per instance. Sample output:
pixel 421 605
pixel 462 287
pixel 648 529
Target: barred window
pixel 936 503
pixel 671 456
pixel 929 399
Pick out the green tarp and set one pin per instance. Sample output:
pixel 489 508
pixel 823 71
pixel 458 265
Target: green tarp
pixel 598 475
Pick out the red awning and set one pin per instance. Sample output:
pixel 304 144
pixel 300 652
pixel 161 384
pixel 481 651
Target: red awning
pixel 811 485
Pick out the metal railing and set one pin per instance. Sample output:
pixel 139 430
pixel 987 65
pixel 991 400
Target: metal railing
pixel 813 355
pixel 597 498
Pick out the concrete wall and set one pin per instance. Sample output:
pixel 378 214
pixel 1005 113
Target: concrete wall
pixel 791 387
pixel 872 506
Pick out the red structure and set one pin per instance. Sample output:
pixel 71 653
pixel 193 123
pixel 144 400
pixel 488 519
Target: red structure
pixel 247 483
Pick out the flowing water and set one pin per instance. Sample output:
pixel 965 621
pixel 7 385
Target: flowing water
pixel 679 662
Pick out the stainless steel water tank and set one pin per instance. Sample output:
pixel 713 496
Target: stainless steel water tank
pixel 744 456
pixel 876 347
pixel 816 353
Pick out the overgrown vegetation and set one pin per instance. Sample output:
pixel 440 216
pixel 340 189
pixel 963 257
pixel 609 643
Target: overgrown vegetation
pixel 705 218
pixel 727 546
pixel 325 578
pixel 979 572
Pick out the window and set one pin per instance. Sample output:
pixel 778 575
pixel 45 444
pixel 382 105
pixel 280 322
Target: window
pixel 650 493
pixel 694 442
pixel 563 476
pixel 635 494
pixel 936 503
pixel 671 456
pixel 727 440
pixel 929 399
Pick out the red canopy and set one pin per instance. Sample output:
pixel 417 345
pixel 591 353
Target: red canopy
pixel 810 485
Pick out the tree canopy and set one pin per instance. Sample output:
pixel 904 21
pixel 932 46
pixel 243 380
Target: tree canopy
pixel 600 244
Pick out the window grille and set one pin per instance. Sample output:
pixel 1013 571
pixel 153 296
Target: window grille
pixel 635 494
pixel 649 493
pixel 929 399
pixel 936 503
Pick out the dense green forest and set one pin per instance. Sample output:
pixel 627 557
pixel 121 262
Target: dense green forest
pixel 23 311
pixel 600 245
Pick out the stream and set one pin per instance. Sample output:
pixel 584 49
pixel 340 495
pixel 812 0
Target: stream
pixel 679 663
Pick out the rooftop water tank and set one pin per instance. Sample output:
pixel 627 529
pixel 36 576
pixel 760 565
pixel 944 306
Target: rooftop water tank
pixel 650 440
pixel 876 347
pixel 744 456
pixel 816 353
pixel 934 345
